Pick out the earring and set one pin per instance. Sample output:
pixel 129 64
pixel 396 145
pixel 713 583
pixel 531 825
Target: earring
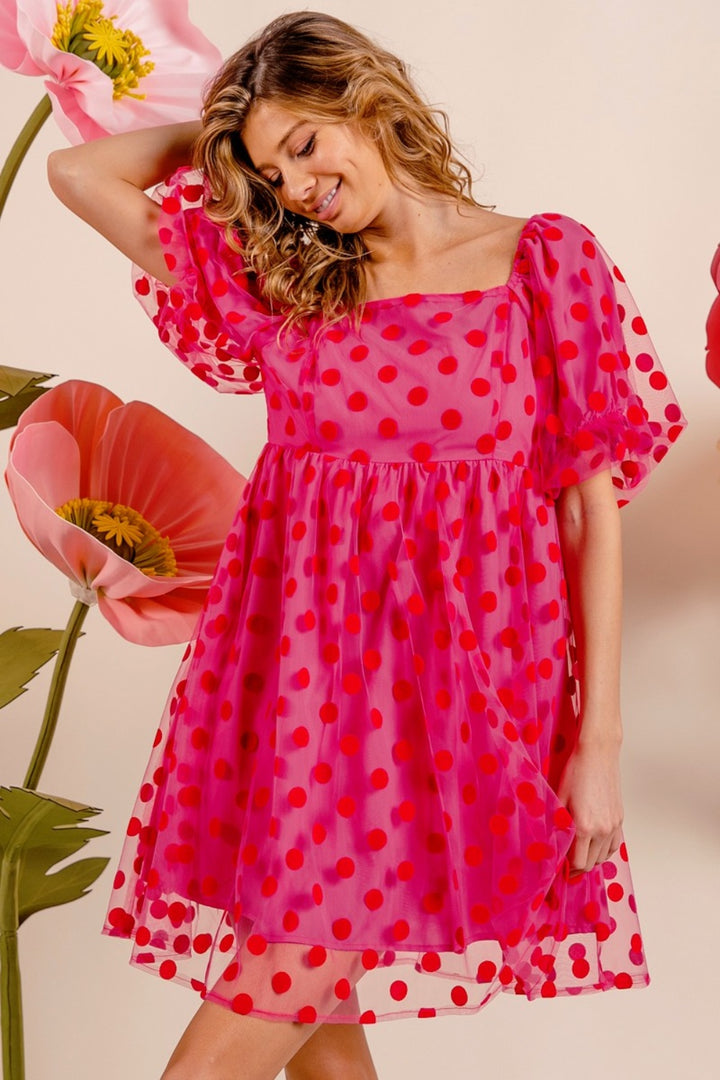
pixel 307 230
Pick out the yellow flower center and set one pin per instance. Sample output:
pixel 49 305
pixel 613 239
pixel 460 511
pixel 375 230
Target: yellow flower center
pixel 83 30
pixel 125 531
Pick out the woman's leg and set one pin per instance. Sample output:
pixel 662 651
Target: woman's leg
pixel 219 1044
pixel 333 1052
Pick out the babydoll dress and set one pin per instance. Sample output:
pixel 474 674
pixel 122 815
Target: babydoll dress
pixel 349 813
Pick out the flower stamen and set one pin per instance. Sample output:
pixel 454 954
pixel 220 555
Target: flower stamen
pixel 124 531
pixel 83 30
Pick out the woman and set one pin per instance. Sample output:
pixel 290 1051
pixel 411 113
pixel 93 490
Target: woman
pixel 387 782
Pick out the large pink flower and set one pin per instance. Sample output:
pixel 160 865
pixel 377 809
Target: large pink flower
pixel 151 494
pixel 132 64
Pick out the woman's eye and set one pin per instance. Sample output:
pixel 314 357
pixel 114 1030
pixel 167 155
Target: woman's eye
pixel 276 181
pixel 307 148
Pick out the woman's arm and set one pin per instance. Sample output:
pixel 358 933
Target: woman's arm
pixel 589 523
pixel 104 183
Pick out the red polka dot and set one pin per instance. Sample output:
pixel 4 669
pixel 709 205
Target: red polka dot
pixel 281 982
pixel 451 419
pixel 373 899
pixel 242 1004
pixel 329 430
pixel 476 338
pixel 568 350
pixel 486 971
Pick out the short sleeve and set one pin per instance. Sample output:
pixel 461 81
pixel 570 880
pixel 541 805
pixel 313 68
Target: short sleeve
pixel 213 318
pixel 603 399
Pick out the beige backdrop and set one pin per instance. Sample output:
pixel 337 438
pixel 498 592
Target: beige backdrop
pixel 606 110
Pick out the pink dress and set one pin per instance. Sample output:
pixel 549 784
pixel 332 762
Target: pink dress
pixel 350 812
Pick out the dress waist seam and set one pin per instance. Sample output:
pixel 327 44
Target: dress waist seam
pixel 302 452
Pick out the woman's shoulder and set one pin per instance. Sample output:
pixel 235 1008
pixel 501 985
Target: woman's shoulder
pixel 553 229
pixel 544 237
pixel 556 247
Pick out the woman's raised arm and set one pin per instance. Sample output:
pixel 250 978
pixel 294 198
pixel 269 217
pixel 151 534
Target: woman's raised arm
pixel 104 183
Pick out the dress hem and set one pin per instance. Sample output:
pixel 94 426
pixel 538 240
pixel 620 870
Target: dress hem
pixel 638 982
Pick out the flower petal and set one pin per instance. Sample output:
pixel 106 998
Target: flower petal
pixel 83 558
pixel 37 490
pixel 183 487
pixel 82 408
pixel 35 24
pixel 70 116
pixel 47 456
pixel 68 548
pixel 147 621
pixel 164 26
pixel 13 51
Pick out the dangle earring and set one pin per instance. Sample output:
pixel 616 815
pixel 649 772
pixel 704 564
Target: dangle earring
pixel 307 230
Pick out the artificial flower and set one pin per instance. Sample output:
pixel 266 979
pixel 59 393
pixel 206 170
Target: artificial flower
pixel 132 507
pixel 109 65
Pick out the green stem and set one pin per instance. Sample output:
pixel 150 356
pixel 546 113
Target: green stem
pixel 22 144
pixel 55 695
pixel 11 1015
pixel 13 1044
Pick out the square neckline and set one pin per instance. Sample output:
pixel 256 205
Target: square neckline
pixel 474 294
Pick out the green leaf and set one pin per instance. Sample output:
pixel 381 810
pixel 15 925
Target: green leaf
pixel 12 408
pixel 22 653
pixel 37 832
pixel 14 380
pixel 18 389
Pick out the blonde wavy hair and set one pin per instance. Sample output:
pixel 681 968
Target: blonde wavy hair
pixel 321 68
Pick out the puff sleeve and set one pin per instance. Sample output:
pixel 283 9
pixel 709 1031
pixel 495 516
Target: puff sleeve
pixel 212 319
pixel 603 398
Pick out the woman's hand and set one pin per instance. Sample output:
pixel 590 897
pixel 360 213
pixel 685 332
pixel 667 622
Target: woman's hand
pixel 590 789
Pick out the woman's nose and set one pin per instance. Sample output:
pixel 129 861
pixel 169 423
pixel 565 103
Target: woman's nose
pixel 299 185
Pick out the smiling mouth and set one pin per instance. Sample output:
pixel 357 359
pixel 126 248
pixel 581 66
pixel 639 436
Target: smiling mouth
pixel 321 207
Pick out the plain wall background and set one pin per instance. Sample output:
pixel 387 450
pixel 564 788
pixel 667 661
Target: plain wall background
pixel 606 110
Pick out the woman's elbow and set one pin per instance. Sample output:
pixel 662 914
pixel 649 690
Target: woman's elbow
pixel 582 505
pixel 63 173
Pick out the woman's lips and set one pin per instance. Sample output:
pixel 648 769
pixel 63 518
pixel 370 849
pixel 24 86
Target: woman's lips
pixel 328 208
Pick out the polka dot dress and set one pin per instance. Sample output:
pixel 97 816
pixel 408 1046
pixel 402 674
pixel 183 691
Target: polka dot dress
pixel 349 812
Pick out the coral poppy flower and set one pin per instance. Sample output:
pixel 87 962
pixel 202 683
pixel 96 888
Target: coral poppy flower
pixel 130 506
pixel 109 65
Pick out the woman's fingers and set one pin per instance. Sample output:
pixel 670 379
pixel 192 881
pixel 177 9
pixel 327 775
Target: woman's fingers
pixel 590 850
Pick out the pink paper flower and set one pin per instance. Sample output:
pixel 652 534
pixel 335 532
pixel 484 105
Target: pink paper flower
pixel 130 506
pixel 109 65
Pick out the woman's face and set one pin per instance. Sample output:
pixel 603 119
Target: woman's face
pixel 325 172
